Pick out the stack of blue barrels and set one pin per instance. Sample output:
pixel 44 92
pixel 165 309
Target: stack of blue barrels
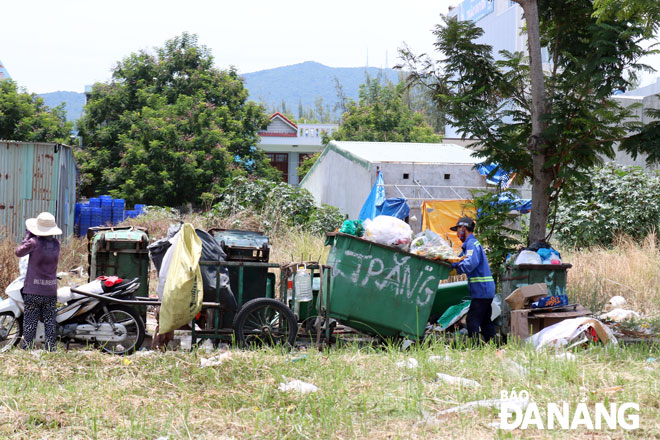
pixel 102 211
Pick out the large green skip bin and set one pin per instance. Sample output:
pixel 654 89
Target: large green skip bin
pixel 448 295
pixel 381 290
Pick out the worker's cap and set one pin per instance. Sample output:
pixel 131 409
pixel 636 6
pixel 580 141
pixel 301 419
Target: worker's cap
pixel 464 221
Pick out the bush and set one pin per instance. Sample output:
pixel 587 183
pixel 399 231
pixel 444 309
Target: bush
pixel 278 204
pixel 612 200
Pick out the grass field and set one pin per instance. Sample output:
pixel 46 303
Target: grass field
pixel 362 392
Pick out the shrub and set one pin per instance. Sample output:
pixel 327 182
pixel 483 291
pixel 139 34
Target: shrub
pixel 612 200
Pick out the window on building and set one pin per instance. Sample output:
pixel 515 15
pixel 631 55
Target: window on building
pixel 447 176
pixel 405 176
pixel 280 161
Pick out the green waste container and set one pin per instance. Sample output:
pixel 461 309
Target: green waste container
pixel 379 289
pixel 122 252
pixel 553 275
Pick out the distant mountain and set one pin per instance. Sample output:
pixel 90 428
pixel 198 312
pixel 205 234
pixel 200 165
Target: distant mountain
pixel 299 83
pixel 73 102
pixel 306 81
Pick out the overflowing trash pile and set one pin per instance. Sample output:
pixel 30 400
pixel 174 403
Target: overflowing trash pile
pixel 391 231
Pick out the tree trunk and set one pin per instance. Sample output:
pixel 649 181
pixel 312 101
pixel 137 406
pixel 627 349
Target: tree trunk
pixel 542 177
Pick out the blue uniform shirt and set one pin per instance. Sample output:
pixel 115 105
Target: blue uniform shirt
pixel 475 265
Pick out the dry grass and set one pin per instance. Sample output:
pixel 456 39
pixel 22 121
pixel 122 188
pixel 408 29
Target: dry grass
pixel 630 268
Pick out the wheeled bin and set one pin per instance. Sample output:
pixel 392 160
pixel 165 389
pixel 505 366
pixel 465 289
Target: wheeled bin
pixel 381 290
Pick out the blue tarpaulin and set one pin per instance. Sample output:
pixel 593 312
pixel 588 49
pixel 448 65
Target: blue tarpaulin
pixel 395 207
pixel 376 203
pixel 515 203
pixel 495 175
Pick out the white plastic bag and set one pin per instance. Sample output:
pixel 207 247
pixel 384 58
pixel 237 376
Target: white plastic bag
pixel 431 245
pixel 528 257
pixel 389 231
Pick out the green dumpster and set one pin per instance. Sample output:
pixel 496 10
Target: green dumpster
pixel 122 252
pixel 381 290
pixel 553 275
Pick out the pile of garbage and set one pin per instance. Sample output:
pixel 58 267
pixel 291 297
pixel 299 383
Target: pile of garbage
pixel 538 252
pixel 393 232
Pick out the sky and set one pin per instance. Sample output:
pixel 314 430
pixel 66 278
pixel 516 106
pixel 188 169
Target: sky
pixel 49 46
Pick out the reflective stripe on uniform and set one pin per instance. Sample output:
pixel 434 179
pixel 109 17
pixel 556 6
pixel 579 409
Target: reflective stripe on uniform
pixel 480 279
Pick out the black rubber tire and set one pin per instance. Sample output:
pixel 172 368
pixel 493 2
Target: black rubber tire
pixel 137 326
pixel 265 321
pixel 8 324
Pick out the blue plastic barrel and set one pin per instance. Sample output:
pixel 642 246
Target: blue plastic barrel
pixel 85 219
pixel 94 202
pixel 97 217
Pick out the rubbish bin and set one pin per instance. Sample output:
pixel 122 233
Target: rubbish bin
pixel 449 294
pixel 122 252
pixel 250 281
pixel 381 290
pixel 553 275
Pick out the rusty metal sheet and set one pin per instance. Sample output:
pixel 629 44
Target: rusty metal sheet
pixel 36 177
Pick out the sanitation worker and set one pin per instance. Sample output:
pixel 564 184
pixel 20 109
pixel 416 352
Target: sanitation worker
pixel 40 286
pixel 480 280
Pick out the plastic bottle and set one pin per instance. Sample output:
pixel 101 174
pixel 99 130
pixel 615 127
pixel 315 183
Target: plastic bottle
pixel 303 284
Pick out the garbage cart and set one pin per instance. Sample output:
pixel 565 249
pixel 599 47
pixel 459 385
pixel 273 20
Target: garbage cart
pixel 378 289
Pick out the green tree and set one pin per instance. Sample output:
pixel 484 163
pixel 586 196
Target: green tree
pixel 547 128
pixel 381 115
pixel 169 127
pixel 25 117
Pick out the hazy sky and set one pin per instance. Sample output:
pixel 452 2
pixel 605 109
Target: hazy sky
pixel 64 45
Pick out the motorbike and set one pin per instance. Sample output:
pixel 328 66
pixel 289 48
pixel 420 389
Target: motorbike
pixel 94 319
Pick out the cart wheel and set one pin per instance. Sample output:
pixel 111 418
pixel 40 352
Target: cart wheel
pixel 265 321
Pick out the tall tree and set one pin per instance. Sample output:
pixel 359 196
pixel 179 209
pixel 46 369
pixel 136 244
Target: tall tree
pixel 25 117
pixel 169 127
pixel 549 127
pixel 381 115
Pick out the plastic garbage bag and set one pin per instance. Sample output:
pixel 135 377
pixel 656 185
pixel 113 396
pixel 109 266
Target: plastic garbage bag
pixel 455 380
pixel 431 245
pixel 389 231
pixel 299 386
pixel 215 360
pixel 183 290
pixel 528 257
pixel 408 363
pixel 570 332
pixel 352 227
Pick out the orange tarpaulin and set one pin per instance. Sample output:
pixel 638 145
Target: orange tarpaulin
pixel 440 215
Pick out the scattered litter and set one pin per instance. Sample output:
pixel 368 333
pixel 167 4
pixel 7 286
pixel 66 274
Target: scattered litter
pixel 651 359
pixel 207 346
pixel 407 343
pixel 619 315
pixel 185 342
pixel 144 353
pixel 488 403
pixel 454 380
pixel 36 353
pixel 617 301
pixel 568 356
pixel 609 390
pixel 216 360
pixel 515 367
pixel 408 363
pixel 298 385
pixel 298 358
pixel 439 358
pixel 571 332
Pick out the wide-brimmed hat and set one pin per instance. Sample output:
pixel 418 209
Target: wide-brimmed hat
pixel 464 221
pixel 43 226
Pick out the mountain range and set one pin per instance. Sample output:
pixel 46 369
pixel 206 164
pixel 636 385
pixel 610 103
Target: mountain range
pixel 290 86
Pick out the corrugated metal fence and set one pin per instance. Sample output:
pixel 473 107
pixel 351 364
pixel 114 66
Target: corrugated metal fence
pixel 36 177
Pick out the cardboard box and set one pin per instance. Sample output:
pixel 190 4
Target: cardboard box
pixel 524 295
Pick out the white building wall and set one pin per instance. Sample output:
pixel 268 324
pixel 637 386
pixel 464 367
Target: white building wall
pixel 339 182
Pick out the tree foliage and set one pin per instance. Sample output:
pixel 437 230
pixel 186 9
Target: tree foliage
pixel 278 204
pixel 612 200
pixel 169 127
pixel 489 99
pixel 381 115
pixel 25 117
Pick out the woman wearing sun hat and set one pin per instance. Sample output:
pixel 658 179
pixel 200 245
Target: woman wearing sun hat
pixel 40 286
